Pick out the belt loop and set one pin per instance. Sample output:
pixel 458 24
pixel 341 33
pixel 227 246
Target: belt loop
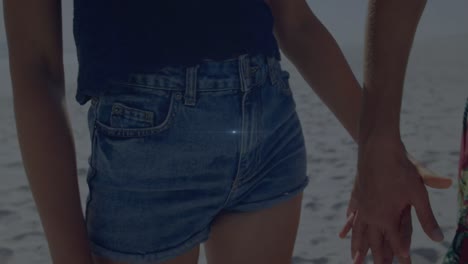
pixel 191 85
pixel 244 72
pixel 272 69
pixel 94 101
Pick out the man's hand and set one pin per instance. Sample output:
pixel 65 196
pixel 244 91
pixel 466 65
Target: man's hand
pixel 361 245
pixel 386 185
pixel 360 242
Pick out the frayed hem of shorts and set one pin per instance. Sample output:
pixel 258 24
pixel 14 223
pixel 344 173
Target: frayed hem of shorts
pixel 151 257
pixel 264 204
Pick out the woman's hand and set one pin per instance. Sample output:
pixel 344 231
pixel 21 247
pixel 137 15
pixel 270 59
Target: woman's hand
pixel 429 177
pixel 360 241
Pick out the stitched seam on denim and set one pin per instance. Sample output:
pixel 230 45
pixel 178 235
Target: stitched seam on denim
pixel 244 76
pixel 232 90
pixel 271 75
pixel 140 114
pixel 93 136
pixel 167 88
pixel 242 181
pixel 234 182
pixel 292 191
pixel 157 253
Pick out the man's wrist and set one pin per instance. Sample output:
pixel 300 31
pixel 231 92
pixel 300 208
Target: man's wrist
pixel 382 141
pixel 378 134
pixel 379 118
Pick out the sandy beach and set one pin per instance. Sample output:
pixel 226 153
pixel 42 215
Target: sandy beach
pixel 435 93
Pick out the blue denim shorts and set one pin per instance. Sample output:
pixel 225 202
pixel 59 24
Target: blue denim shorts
pixel 173 149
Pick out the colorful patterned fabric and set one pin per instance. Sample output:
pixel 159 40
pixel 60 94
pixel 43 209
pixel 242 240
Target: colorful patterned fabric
pixel 458 251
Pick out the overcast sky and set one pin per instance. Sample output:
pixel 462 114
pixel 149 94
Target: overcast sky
pixel 344 18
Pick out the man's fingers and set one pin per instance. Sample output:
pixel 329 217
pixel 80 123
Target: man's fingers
pixel 404 260
pixel 376 241
pixel 425 215
pixel 361 254
pixel 394 238
pixel 347 227
pixel 406 230
pixel 387 253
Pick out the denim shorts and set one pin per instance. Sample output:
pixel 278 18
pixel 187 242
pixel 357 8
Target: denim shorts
pixel 173 149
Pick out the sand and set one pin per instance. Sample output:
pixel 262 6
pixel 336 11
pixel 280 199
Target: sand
pixel 435 93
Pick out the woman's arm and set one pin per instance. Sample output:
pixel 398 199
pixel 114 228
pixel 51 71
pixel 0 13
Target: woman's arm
pixel 317 56
pixel 34 36
pixel 314 52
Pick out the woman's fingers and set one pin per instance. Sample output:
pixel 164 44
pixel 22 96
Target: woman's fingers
pixel 362 247
pixel 348 225
pixel 360 257
pixel 376 241
pixel 406 229
pixel 431 178
pixel 358 237
pixel 435 181
pixel 387 252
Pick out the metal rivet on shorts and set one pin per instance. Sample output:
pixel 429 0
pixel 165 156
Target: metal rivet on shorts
pixel 116 109
pixel 254 69
pixel 178 96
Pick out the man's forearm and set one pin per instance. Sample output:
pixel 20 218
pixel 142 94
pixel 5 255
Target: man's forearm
pixel 391 27
pixel 317 56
